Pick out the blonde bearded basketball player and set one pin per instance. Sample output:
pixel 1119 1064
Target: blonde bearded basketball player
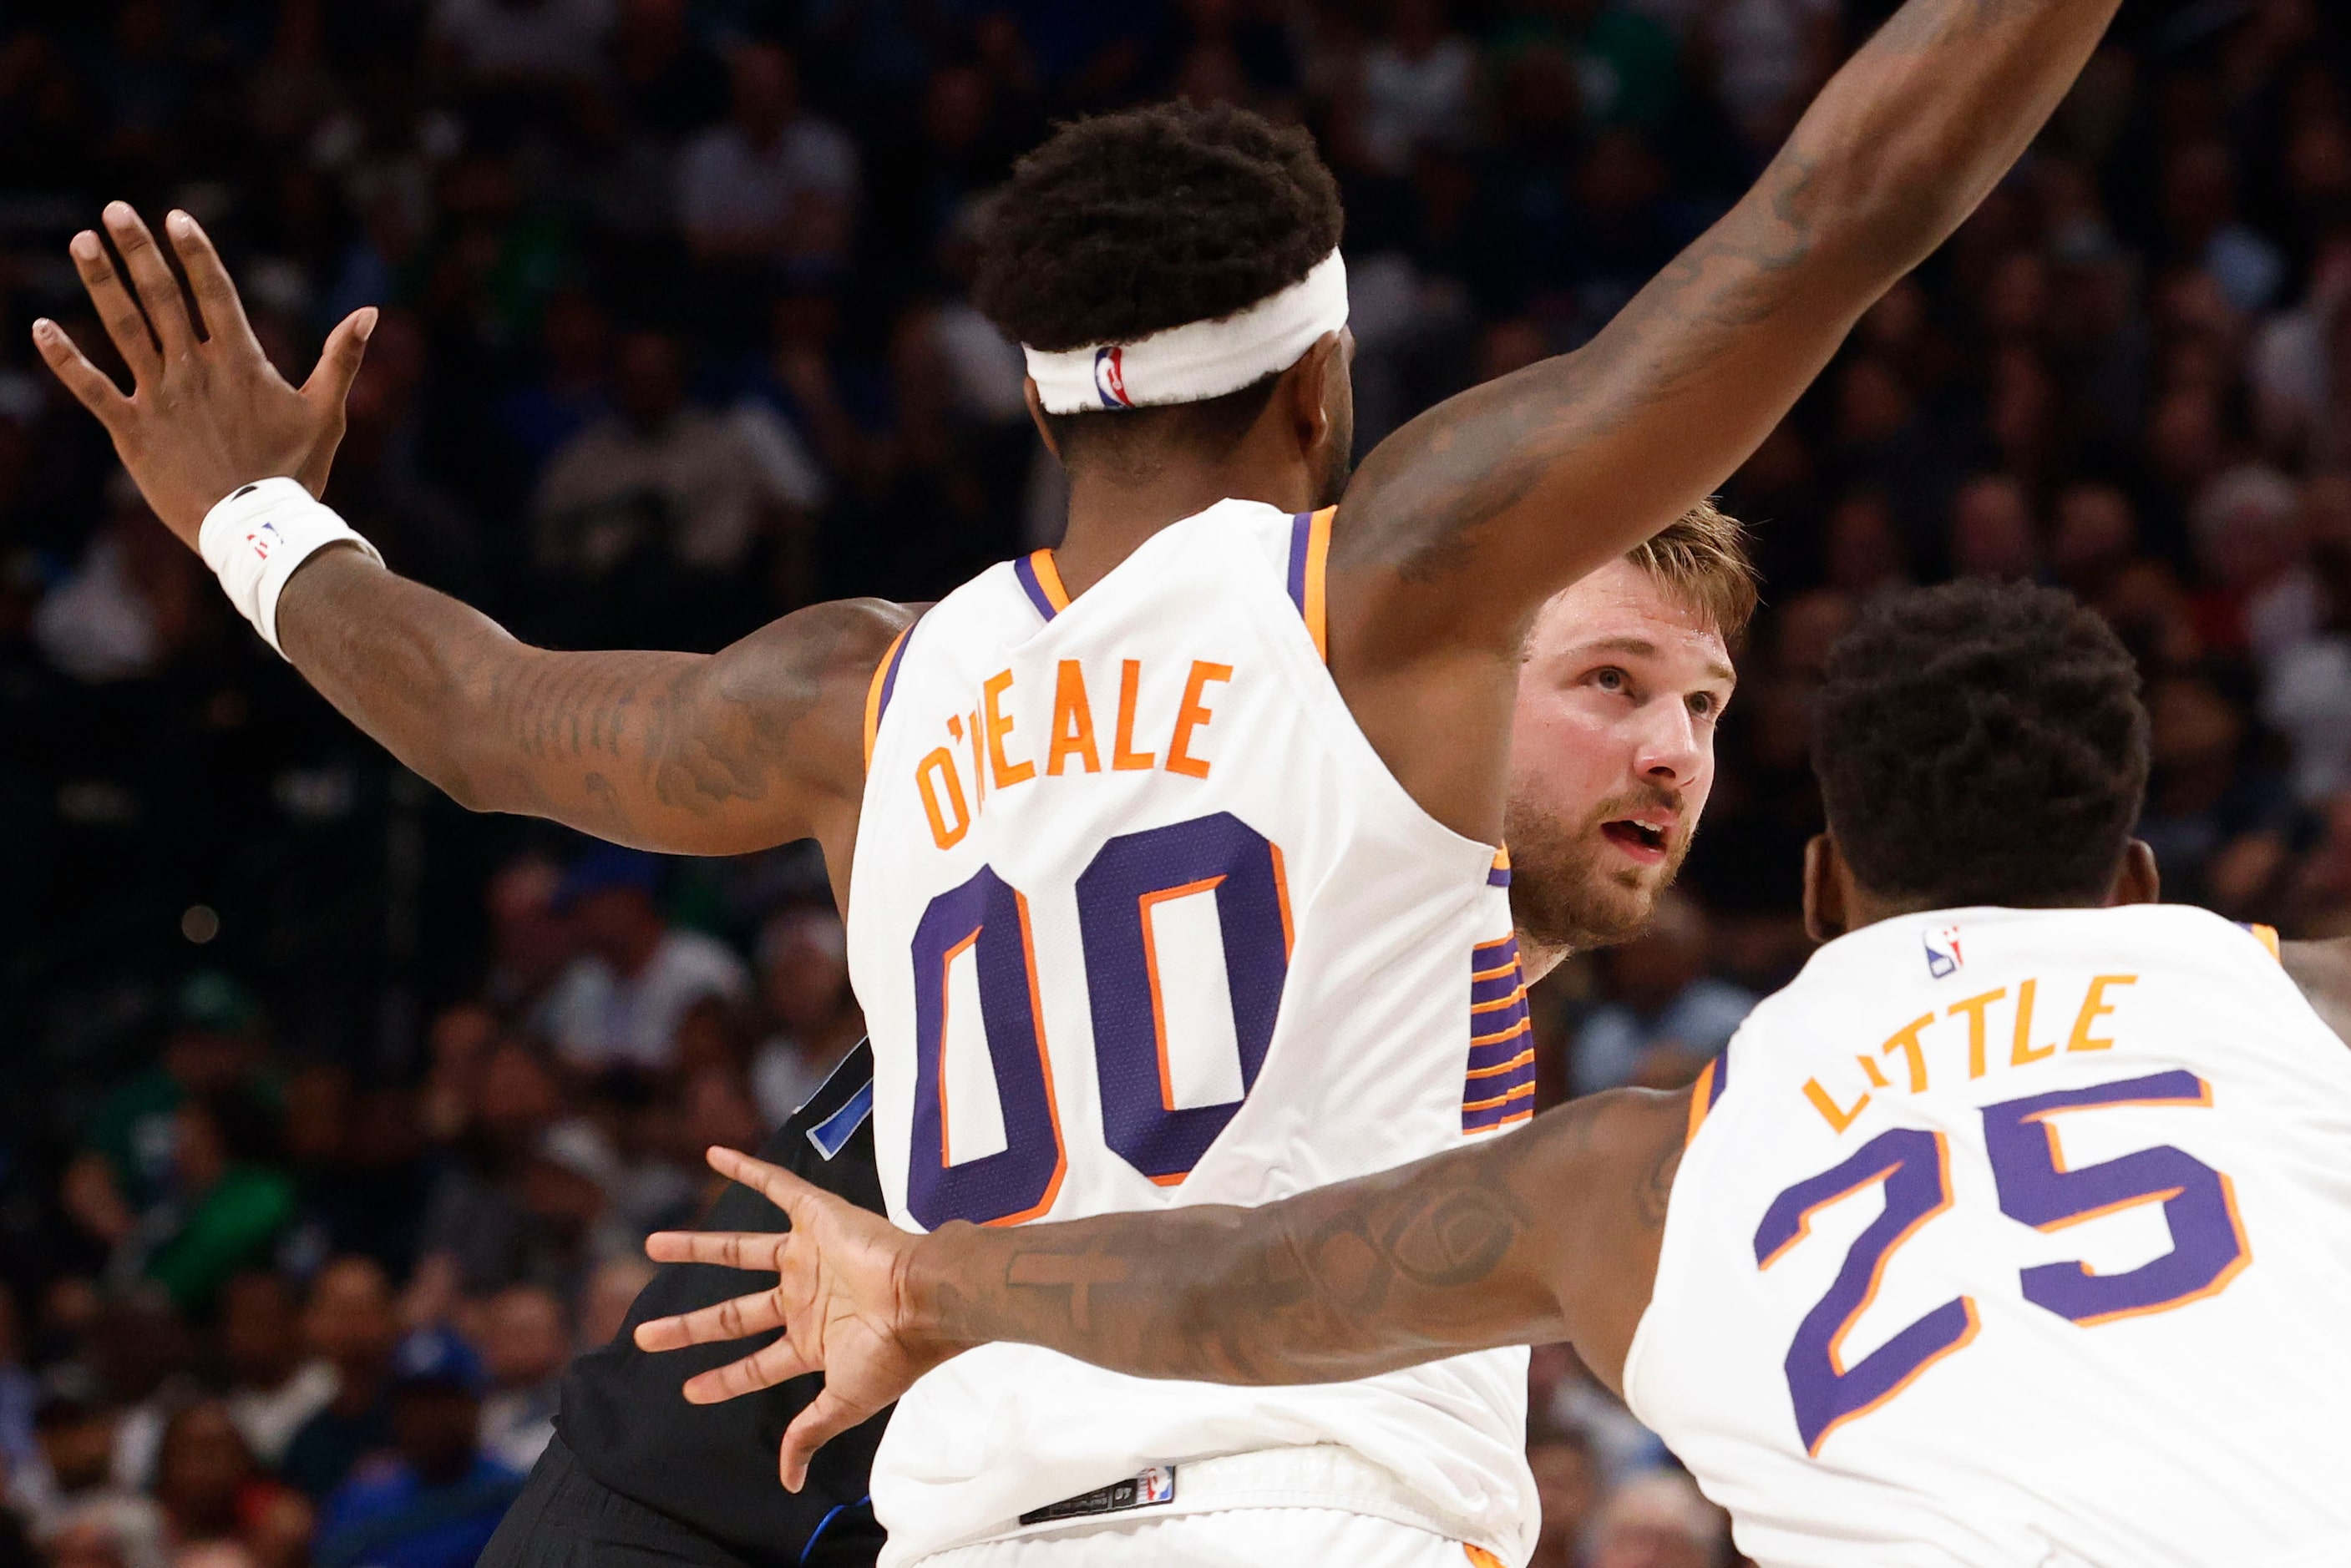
pixel 1146 843
pixel 2016 1229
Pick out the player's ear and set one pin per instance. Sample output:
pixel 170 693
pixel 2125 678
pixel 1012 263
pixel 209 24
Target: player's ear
pixel 1037 413
pixel 1824 916
pixel 2139 881
pixel 1315 384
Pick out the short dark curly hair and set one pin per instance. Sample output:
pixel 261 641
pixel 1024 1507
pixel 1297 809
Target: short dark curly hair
pixel 1981 744
pixel 1126 224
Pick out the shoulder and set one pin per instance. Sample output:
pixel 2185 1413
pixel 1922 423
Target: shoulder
pixel 823 655
pixel 1605 1147
pixel 795 692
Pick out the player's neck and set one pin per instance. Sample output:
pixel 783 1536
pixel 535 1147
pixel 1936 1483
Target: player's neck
pixel 1112 512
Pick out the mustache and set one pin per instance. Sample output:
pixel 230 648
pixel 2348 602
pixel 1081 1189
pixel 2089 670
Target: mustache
pixel 1619 806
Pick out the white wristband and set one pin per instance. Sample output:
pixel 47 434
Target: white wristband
pixel 255 538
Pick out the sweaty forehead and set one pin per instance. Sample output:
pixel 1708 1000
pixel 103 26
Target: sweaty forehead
pixel 1623 607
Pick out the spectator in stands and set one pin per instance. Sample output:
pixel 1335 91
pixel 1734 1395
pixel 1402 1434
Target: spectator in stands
pixel 477 1234
pixel 1659 1521
pixel 213 1491
pixel 1567 1483
pixel 139 1359
pixel 605 1300
pixel 666 498
pixel 134 601
pixel 127 1163
pixel 1992 531
pixel 349 1324
pixel 120 1531
pixel 277 1380
pixel 1669 1017
pixel 528 942
pixel 772 182
pixel 230 1202
pixel 434 1500
pixel 622 1000
pixel 526 1343
pixel 75 1473
pixel 804 984
pixel 20 1393
pixel 521 41
pixel 2222 823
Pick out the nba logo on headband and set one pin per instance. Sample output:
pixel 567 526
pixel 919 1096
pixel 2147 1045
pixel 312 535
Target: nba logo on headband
pixel 1199 360
pixel 1110 378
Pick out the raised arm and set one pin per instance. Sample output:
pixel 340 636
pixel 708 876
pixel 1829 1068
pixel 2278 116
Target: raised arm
pixel 1549 1233
pixel 1460 525
pixel 689 753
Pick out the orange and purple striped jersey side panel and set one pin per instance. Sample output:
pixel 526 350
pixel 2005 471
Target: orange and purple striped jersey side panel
pixel 1310 554
pixel 1498 1086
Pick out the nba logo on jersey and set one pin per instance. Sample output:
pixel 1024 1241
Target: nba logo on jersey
pixel 1110 378
pixel 1157 1484
pixel 1942 952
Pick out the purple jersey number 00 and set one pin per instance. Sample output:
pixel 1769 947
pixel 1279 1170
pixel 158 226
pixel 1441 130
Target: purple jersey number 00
pixel 1218 857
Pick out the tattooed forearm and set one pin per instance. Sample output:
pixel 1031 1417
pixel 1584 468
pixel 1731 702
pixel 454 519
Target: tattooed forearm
pixel 1297 1291
pixel 1546 1234
pixel 688 753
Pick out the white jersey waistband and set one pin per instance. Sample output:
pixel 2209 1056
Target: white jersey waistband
pixel 1316 1475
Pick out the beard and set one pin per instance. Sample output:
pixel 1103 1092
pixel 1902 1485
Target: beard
pixel 1570 888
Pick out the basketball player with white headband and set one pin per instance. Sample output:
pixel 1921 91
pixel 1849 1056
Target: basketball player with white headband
pixel 1172 855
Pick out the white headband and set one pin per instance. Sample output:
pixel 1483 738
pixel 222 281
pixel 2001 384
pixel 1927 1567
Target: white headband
pixel 1200 359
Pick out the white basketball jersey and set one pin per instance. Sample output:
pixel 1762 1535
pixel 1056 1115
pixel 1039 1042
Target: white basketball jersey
pixel 1140 920
pixel 2018 1237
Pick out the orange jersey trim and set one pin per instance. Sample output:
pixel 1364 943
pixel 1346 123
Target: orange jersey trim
pixel 1701 1101
pixel 873 691
pixel 1049 578
pixel 1318 560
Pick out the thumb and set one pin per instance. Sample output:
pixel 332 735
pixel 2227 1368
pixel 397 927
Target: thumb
pixel 339 361
pixel 826 1418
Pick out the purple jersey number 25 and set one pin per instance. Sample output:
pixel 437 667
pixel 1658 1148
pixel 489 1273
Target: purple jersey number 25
pixel 1219 856
pixel 2209 1247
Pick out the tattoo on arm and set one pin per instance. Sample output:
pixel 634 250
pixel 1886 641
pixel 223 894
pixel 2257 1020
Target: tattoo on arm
pixel 688 753
pixel 1489 1245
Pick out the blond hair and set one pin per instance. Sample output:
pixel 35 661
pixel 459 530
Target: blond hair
pixel 1701 559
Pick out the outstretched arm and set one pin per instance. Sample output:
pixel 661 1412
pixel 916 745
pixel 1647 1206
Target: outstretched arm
pixel 1548 1233
pixel 1461 524
pixel 755 745
pixel 694 755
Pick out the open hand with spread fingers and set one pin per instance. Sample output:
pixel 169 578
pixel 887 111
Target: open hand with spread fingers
pixel 842 1297
pixel 207 411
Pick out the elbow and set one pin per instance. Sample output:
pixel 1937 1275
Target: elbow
pixel 448 773
pixel 1874 215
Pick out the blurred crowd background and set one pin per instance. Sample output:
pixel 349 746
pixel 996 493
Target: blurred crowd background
pixel 331 1116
